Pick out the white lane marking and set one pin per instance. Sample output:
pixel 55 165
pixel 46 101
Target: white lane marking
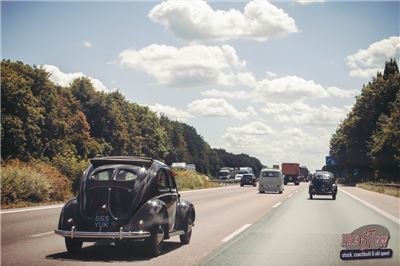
pixel 276 205
pixel 241 229
pixel 42 234
pixel 385 214
pixel 290 195
pixel 296 191
pixel 33 209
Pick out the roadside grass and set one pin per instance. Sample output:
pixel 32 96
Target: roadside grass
pixel 388 190
pixel 189 180
pixel 30 184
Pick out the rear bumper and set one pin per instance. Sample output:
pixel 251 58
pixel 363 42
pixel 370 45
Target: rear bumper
pixel 73 233
pixel 316 192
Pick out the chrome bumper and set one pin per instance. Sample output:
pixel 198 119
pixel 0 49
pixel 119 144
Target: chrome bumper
pixel 111 235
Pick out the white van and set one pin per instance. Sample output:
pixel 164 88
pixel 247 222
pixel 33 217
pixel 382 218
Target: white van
pixel 270 180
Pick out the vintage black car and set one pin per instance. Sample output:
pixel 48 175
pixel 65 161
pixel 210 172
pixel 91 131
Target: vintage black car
pixel 323 183
pixel 124 199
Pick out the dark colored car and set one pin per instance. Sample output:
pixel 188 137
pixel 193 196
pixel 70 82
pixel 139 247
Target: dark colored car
pixel 126 199
pixel 248 179
pixel 323 183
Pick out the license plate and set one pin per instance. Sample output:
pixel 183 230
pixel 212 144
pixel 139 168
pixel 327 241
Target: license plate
pixel 101 221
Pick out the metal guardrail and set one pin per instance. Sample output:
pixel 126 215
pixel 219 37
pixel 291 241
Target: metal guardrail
pixel 384 185
pixel 224 181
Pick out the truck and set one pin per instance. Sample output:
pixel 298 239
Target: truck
pixel 291 172
pixel 304 173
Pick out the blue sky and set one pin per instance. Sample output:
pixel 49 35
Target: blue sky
pixel 317 56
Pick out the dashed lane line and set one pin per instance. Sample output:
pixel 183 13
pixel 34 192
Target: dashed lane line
pixel 241 229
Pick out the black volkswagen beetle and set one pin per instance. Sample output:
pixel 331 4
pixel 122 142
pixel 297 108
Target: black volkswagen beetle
pixel 323 183
pixel 126 198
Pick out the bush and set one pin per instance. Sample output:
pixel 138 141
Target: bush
pixel 70 165
pixel 32 182
pixel 186 180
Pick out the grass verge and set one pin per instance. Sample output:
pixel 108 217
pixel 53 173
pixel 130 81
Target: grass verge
pixel 392 191
pixel 188 180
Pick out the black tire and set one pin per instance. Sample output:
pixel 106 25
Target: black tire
pixel 254 184
pixel 262 192
pixel 334 196
pixel 241 185
pixel 297 183
pixel 280 191
pixel 285 183
pixel 185 238
pixel 311 196
pixel 155 243
pixel 73 246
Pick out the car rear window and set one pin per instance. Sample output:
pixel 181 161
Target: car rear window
pixel 270 174
pixel 120 175
pixel 248 176
pixel 323 177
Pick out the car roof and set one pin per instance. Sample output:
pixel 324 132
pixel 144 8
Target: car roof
pixel 131 160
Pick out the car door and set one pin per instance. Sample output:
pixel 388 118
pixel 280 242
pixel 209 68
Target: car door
pixel 167 194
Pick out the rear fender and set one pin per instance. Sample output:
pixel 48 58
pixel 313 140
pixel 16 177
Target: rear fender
pixel 183 210
pixel 69 215
pixel 152 213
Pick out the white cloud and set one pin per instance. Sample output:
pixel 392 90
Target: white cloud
pixel 271 75
pixel 306 2
pixel 277 145
pixel 302 114
pixel 64 79
pixel 367 62
pixel 225 94
pixel 189 66
pixel 213 107
pixel 171 112
pixel 197 21
pixel 284 89
pixel 87 44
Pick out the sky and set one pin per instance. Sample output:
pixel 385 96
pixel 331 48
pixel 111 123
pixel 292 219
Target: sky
pixel 270 79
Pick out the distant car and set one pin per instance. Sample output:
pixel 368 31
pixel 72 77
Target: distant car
pixel 240 174
pixel 270 180
pixel 126 199
pixel 224 174
pixel 248 179
pixel 323 183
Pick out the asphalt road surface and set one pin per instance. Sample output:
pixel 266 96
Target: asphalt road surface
pixel 306 232
pixel 234 226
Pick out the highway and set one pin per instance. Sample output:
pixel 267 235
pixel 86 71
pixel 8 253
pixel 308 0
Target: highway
pixel 234 226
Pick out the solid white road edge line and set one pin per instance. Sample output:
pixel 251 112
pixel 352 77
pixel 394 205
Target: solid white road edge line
pixel 33 209
pixel 42 234
pixel 241 229
pixel 276 205
pixel 385 214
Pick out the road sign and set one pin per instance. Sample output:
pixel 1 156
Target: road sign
pixel 330 161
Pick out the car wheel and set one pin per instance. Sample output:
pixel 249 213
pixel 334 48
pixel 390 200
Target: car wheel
pixel 262 192
pixel 156 241
pixel 254 184
pixel 241 185
pixel 334 196
pixel 73 245
pixel 280 191
pixel 285 183
pixel 185 238
pixel 311 196
pixel 297 183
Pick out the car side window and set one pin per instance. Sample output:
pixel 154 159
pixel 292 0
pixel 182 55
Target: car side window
pixel 163 182
pixel 172 182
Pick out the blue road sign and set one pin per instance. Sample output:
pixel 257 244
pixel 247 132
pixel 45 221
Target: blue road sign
pixel 330 161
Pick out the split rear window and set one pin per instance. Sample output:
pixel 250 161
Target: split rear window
pixel 114 174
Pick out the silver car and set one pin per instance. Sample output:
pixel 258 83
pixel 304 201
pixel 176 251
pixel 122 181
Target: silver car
pixel 270 180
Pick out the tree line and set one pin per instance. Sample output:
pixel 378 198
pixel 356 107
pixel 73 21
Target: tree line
pixel 65 126
pixel 367 142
